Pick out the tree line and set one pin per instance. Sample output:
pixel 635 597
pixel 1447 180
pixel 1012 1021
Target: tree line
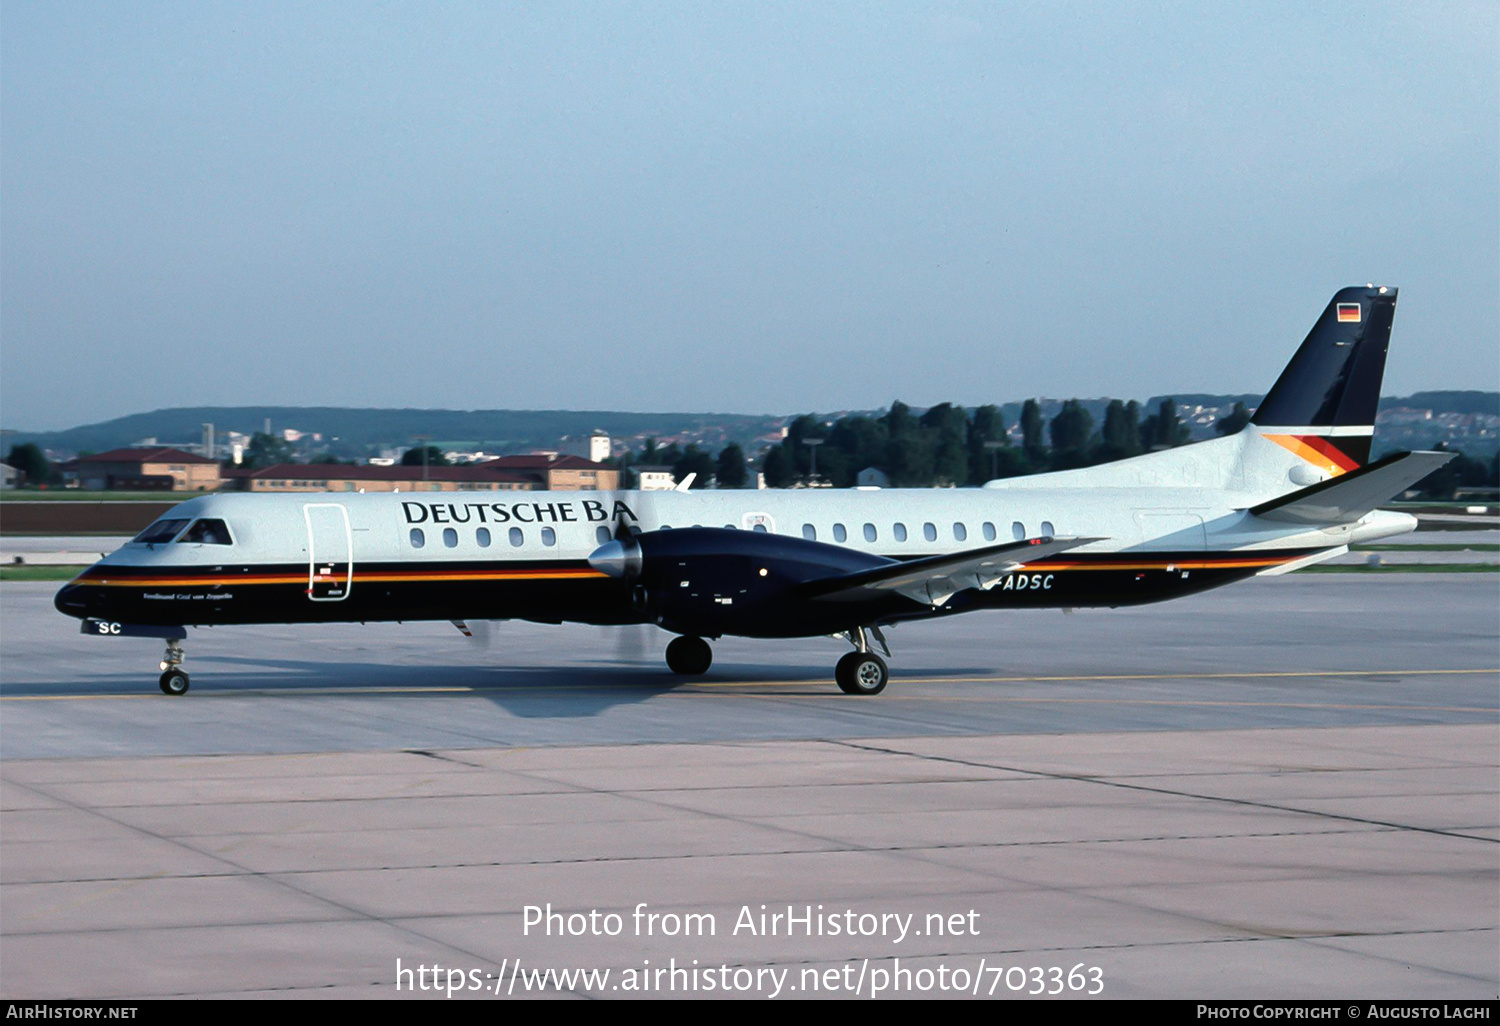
pixel 946 445
pixel 949 446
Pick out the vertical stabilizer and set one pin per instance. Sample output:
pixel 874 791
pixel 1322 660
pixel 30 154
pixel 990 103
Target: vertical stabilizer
pixel 1322 408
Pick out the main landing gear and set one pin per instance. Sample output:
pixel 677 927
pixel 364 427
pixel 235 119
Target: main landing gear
pixel 174 680
pixel 862 672
pixel 689 656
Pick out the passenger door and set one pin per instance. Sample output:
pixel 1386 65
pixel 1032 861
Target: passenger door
pixel 330 555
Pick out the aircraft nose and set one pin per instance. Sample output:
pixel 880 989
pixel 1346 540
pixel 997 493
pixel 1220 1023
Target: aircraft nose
pixel 71 600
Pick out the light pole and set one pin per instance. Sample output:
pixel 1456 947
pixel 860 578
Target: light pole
pixel 813 443
pixel 993 447
pixel 422 440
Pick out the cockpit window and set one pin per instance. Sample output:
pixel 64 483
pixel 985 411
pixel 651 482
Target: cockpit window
pixel 160 532
pixel 207 532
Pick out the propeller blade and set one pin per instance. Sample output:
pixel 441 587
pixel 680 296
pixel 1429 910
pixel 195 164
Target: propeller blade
pixel 630 644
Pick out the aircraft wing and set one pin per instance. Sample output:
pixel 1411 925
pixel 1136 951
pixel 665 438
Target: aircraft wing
pixel 1346 498
pixel 936 579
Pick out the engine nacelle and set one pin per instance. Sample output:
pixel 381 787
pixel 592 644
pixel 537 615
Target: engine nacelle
pixel 710 581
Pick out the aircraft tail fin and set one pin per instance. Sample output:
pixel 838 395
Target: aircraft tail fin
pixel 1316 423
pixel 1322 408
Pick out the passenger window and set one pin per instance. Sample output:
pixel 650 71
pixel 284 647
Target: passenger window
pixel 960 532
pixel 450 537
pixel 899 531
pixel 809 532
pixel 418 539
pixel 601 535
pixel 1018 531
pixel 549 536
pixel 1047 529
pixel 989 531
pixel 516 537
pixel 929 531
pixel 870 532
pixel 207 532
pixel 839 534
pixel 161 531
pixel 482 536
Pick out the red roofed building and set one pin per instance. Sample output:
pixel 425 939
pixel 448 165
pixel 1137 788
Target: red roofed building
pixel 511 473
pixel 158 469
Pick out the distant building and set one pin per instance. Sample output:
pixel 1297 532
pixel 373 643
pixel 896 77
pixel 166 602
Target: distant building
pixel 650 478
pixel 594 448
pixel 509 473
pixel 8 475
pixel 562 473
pixel 159 469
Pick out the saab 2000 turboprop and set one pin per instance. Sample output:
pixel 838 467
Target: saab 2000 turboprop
pixel 1293 488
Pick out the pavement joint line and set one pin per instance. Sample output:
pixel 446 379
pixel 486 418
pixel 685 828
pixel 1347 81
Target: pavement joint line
pixel 1404 963
pixel 871 747
pixel 672 857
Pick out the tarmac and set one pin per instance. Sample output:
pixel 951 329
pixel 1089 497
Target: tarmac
pixel 1285 788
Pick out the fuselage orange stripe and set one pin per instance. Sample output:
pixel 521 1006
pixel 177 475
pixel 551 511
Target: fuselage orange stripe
pixel 1218 564
pixel 581 573
pixel 471 575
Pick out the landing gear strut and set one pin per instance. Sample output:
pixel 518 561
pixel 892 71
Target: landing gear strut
pixel 862 672
pixel 174 681
pixel 688 656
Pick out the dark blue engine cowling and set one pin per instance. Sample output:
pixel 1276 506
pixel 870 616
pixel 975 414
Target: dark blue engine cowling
pixel 711 581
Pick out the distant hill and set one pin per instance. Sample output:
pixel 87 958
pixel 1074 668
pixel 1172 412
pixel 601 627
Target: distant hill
pixel 354 432
pixel 356 429
pixel 1449 402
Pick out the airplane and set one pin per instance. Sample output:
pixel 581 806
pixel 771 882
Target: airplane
pixel 1293 488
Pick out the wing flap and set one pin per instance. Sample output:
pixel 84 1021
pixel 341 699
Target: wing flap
pixel 936 579
pixel 1346 498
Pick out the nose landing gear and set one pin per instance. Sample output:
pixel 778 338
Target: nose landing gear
pixel 174 681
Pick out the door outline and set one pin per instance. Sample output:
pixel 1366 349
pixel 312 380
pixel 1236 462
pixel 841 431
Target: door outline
pixel 314 577
pixel 1184 525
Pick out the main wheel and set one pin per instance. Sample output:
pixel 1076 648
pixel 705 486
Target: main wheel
pixel 174 682
pixel 689 656
pixel 861 673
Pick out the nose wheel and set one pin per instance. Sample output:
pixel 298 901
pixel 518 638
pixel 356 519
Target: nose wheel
pixel 173 680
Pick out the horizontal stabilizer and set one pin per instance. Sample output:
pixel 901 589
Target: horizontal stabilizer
pixel 1322 555
pixel 1346 498
pixel 936 579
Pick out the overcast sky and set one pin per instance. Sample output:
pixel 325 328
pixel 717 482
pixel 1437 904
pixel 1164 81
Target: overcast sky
pixel 748 207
